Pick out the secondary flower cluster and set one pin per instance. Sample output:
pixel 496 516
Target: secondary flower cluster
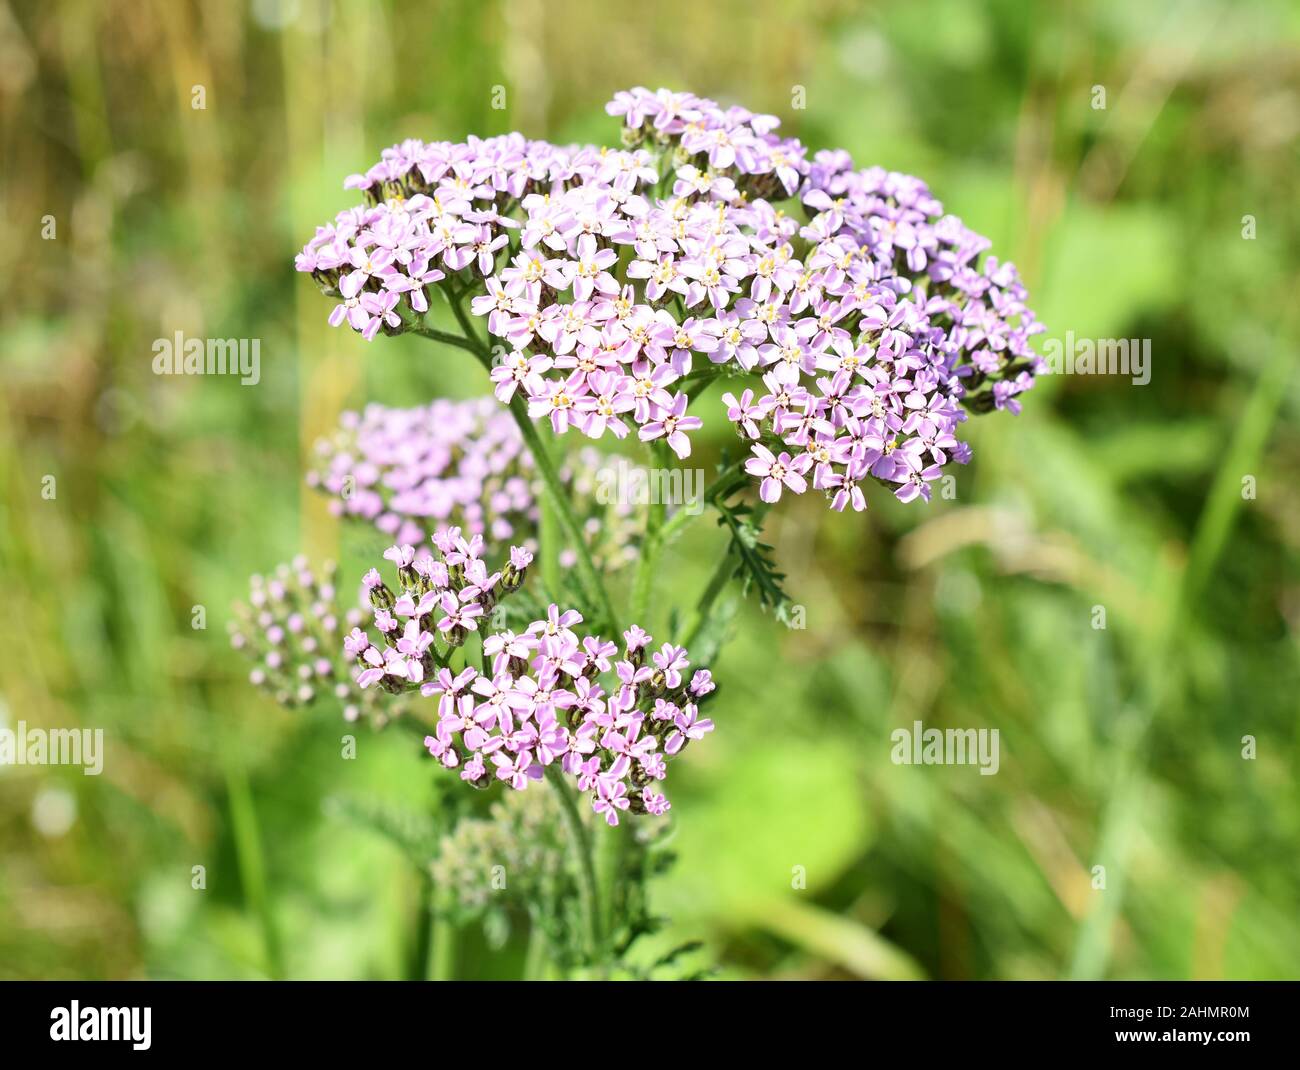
pixel 536 698
pixel 522 832
pixel 291 628
pixel 872 322
pixel 407 471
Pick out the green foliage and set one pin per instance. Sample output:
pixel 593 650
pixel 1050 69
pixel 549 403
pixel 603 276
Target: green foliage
pixel 1121 746
pixel 755 564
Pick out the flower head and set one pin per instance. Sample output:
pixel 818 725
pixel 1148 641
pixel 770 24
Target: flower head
pixel 546 696
pixel 878 325
pixel 461 463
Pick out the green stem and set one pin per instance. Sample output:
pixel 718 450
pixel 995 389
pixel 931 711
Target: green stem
pixel 442 952
pixel 703 610
pixel 447 339
pixel 549 548
pixel 583 862
pixel 468 329
pixel 559 498
pixel 555 489
pixel 611 861
pixel 536 957
pixel 677 523
pixel 726 566
pixel 251 862
pixel 727 480
pixel 418 968
pixel 721 487
pixel 651 543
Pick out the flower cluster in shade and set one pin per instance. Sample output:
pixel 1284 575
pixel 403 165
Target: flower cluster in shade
pixel 872 322
pixel 462 463
pixel 407 471
pixel 608 716
pixel 522 832
pixel 291 628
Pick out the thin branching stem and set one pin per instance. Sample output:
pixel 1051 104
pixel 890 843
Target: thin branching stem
pixel 557 495
pixel 583 863
pixel 651 543
pixel 699 619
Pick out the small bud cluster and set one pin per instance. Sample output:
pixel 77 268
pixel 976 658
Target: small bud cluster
pixel 291 628
pixel 510 856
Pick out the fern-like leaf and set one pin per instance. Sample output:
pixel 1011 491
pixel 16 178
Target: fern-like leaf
pixel 755 565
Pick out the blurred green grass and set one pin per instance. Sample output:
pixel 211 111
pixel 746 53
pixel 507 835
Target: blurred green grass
pixel 1120 747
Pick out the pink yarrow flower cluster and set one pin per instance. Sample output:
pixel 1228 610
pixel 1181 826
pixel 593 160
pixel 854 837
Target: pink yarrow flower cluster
pixel 435 210
pixel 870 321
pixel 607 716
pixel 407 471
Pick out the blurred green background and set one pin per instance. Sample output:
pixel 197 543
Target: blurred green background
pixel 1120 747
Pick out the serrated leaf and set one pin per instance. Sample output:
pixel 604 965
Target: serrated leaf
pixel 755 565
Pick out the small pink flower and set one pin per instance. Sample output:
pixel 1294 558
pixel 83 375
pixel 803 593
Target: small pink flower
pixel 777 472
